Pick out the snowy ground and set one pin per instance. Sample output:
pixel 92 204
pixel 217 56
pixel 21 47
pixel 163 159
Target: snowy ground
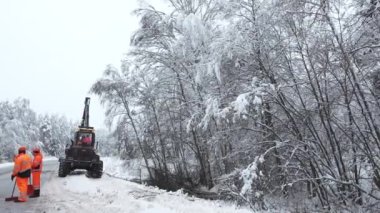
pixel 128 170
pixel 77 193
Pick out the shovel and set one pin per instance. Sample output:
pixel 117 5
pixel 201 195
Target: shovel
pixel 11 198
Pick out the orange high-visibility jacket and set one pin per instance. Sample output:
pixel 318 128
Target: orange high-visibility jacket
pixel 37 163
pixel 22 164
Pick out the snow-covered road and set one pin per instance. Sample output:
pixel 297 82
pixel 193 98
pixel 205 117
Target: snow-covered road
pixel 77 193
pixel 6 185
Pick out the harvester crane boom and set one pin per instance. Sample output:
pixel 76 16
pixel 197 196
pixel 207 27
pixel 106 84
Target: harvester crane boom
pixel 86 114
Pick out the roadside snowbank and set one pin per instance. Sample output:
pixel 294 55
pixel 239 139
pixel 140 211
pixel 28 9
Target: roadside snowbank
pixel 5 167
pixel 50 158
pixel 77 193
pixel 124 169
pixel 46 158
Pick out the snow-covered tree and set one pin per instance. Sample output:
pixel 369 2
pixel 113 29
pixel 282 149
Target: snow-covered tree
pixel 262 98
pixel 21 126
pixel 55 132
pixel 18 127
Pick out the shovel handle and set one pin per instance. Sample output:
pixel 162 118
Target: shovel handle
pixel 14 186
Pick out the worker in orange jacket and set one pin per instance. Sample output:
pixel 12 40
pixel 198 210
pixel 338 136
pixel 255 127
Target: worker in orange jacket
pixel 36 171
pixel 21 170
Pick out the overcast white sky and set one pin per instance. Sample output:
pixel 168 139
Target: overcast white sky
pixel 51 52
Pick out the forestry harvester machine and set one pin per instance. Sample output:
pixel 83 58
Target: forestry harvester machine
pixel 81 154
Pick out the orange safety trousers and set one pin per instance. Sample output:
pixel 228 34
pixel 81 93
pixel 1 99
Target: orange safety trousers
pixel 36 170
pixel 36 180
pixel 22 185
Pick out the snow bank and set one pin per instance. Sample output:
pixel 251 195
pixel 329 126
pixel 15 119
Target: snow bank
pixel 114 195
pixel 6 165
pixel 50 158
pixel 125 169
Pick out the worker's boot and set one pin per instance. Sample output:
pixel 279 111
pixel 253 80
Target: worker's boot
pixel 19 201
pixel 36 193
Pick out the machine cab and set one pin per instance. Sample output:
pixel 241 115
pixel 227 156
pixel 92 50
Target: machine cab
pixel 84 137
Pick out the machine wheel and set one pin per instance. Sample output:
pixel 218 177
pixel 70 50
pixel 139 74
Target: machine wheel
pixel 96 171
pixel 63 170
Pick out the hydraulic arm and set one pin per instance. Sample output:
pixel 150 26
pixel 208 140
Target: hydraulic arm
pixel 86 115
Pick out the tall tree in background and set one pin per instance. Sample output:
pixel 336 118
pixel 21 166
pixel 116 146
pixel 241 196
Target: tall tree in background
pixel 117 90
